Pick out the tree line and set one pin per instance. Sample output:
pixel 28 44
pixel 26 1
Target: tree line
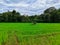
pixel 50 15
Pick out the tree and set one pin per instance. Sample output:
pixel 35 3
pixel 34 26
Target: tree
pixel 35 19
pixel 47 17
pixel 49 10
pixel 50 15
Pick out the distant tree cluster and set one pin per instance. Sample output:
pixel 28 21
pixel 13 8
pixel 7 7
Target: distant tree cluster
pixel 50 15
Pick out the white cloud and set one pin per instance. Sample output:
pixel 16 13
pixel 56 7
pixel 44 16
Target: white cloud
pixel 29 6
pixel 14 4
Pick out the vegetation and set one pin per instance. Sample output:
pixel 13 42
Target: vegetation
pixel 50 15
pixel 28 34
pixel 24 33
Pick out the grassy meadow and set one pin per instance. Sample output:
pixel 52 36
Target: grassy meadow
pixel 29 34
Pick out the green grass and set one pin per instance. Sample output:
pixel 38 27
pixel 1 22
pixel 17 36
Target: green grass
pixel 26 31
pixel 29 28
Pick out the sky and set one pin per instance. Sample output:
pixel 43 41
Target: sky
pixel 28 7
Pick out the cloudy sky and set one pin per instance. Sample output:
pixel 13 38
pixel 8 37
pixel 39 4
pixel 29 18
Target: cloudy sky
pixel 28 6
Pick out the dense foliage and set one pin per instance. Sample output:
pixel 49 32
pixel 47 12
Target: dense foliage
pixel 50 15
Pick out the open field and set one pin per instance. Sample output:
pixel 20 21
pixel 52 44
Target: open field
pixel 29 34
